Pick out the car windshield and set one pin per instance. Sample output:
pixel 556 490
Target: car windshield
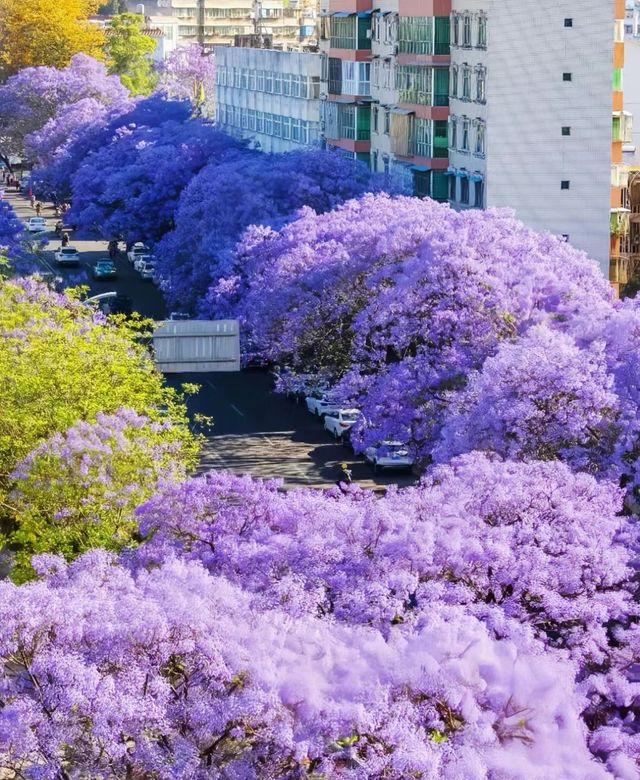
pixel 392 448
pixel 38 220
pixel 69 251
pixel 350 416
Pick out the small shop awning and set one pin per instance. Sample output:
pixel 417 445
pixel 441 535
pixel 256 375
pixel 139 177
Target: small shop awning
pixel 476 176
pixel 343 99
pixel 341 14
pixel 364 13
pixel 398 110
pixel 451 171
pixel 420 168
pixel 462 172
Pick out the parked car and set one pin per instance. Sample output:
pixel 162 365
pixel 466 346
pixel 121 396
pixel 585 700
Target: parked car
pixel 318 403
pixel 67 255
pixel 119 304
pixel 36 225
pixel 104 269
pixel 340 421
pixel 142 260
pixel 136 251
pixel 389 455
pixel 147 271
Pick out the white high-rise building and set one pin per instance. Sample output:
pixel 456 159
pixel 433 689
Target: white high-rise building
pixel 531 108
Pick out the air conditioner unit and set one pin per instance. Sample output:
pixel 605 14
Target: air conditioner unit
pixel 369 34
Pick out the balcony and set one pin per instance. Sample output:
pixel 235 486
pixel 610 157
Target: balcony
pixel 619 269
pixel 619 221
pixel 619 176
pixel 621 127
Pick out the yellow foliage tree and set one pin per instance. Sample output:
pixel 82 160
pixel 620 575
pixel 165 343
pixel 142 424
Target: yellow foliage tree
pixel 42 32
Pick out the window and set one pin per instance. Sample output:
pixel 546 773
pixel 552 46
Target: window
pixel 268 124
pixel 440 138
pixel 374 161
pixel 268 82
pixel 478 199
pixel 244 78
pixel 564 184
pixel 452 187
pixel 464 190
pixel 454 81
pixel 277 83
pixel 415 34
pixel 466 31
pixel 414 84
pixel 259 122
pixel 466 82
pixel 568 22
pixel 286 127
pixel 374 119
pixel 453 132
pixel 387 121
pixel 455 30
pixel 356 78
pixel 260 81
pixel 335 76
pixel 251 113
pixel 566 130
pixel 482 31
pixel 566 77
pixel 480 138
pixel 466 124
pixel 343 32
pixel 277 126
pixel 481 84
pixel 420 137
pixel 286 84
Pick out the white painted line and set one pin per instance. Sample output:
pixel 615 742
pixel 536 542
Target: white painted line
pixel 211 385
pixel 235 409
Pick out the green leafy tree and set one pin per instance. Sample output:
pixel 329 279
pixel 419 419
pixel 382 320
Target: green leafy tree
pixel 79 490
pixel 61 364
pixel 128 52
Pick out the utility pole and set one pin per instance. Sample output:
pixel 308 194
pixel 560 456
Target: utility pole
pixel 200 23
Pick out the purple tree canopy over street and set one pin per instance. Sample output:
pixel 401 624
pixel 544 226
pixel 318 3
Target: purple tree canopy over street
pixel 34 96
pixel 131 186
pixel 225 199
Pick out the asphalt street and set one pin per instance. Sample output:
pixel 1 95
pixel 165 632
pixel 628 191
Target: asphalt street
pixel 146 297
pixel 254 430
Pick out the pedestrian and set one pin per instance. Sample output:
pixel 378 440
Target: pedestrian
pixel 38 207
pixel 65 239
pixel 345 477
pixel 32 200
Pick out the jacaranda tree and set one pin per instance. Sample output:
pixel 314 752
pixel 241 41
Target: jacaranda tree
pixel 225 199
pixel 131 186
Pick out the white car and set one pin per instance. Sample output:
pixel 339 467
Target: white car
pixel 142 260
pixel 389 455
pixel 340 421
pixel 36 225
pixel 136 251
pixel 318 404
pixel 67 255
pixel 147 270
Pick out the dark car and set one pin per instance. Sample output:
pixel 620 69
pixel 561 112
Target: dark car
pixel 104 269
pixel 120 304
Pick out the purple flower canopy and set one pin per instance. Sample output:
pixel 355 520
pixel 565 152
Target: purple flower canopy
pixel 261 631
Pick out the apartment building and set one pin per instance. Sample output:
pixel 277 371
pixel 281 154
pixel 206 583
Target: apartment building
pixel 410 93
pixel 270 97
pixel 385 87
pixel 287 23
pixel 533 86
pixel 345 45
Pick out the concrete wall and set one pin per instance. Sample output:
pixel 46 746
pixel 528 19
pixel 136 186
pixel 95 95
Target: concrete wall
pixel 528 50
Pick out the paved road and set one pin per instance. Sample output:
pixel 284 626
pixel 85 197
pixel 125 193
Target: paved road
pixel 146 298
pixel 255 431
pixel 258 432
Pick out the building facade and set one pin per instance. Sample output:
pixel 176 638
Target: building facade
pixel 385 87
pixel 533 86
pixel 270 97
pixel 289 24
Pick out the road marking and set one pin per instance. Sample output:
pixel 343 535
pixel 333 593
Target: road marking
pixel 211 385
pixel 235 409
